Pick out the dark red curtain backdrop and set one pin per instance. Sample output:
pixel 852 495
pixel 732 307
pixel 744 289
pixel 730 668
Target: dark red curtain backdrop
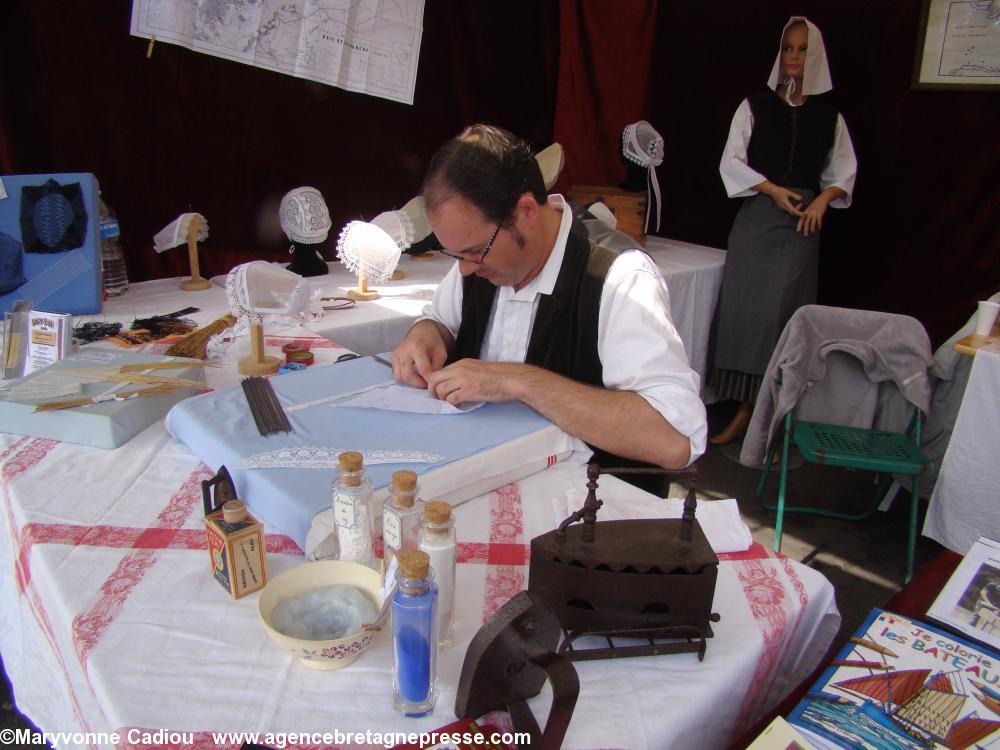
pixel 606 58
pixel 185 131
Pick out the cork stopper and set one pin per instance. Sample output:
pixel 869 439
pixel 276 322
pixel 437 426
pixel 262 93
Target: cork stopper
pixel 351 462
pixel 234 511
pixel 437 511
pixel 404 488
pixel 414 564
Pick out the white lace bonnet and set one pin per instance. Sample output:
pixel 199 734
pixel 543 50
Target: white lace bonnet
pixel 406 225
pixel 364 247
pixel 642 145
pixel 304 216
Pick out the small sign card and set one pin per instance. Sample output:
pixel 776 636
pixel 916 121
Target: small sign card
pixel 970 601
pixel 49 339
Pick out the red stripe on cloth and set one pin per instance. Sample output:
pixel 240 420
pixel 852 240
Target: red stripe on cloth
pixel 765 592
pixel 473 552
pixel 20 456
pixel 755 551
pixel 156 538
pixel 504 579
pixel 508 554
pixel 127 537
pixel 89 627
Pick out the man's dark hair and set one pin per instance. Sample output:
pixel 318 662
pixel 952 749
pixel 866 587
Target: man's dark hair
pixel 489 167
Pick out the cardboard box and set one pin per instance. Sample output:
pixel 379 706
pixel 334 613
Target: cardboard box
pixel 236 550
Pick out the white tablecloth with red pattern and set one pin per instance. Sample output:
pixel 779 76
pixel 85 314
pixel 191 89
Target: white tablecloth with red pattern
pixel 112 619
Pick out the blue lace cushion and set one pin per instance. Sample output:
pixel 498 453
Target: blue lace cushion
pixel 11 273
pixel 53 217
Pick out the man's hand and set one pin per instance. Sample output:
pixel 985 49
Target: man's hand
pixel 474 380
pixel 422 351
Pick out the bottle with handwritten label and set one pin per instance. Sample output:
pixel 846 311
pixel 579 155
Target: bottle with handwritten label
pixel 354 511
pixel 437 539
pixel 414 635
pixel 401 514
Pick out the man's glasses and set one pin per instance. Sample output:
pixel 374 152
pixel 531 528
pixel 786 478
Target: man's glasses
pixel 482 253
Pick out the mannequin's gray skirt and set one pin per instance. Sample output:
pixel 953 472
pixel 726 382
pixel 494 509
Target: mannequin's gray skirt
pixel 771 270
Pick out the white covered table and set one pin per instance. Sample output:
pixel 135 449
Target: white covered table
pixel 694 277
pixel 965 503
pixel 112 620
pixel 693 274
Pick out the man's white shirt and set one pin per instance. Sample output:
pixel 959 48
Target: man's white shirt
pixel 639 347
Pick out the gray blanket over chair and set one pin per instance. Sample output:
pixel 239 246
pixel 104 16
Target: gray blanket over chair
pixel 815 370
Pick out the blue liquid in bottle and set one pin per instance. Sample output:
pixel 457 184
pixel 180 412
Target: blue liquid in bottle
pixel 415 641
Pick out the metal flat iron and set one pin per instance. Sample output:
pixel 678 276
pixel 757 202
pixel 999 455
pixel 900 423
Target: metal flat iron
pixel 508 662
pixel 648 579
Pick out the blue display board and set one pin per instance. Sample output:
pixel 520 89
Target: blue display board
pixel 66 278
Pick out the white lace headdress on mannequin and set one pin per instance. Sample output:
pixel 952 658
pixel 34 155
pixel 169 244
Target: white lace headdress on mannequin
pixel 816 76
pixel 304 216
pixel 642 145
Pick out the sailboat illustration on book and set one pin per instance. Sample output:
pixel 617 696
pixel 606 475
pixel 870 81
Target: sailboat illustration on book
pixel 919 708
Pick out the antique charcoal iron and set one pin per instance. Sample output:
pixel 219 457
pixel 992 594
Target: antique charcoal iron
pixel 652 579
pixel 218 490
pixel 507 663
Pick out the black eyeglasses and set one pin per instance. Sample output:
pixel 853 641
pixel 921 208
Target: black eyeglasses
pixel 482 253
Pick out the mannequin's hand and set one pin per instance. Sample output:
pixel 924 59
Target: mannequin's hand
pixel 811 220
pixel 786 200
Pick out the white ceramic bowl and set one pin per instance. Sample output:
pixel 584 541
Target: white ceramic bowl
pixel 332 653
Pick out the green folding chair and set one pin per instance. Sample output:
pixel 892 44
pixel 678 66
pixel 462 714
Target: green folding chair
pixel 856 448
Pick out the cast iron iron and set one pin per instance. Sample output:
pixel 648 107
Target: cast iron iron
pixel 507 663
pixel 651 579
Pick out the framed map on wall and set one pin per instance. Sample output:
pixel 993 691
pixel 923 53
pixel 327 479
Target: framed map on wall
pixel 959 45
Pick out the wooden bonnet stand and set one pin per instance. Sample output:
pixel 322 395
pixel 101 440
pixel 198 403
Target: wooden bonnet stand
pixel 196 283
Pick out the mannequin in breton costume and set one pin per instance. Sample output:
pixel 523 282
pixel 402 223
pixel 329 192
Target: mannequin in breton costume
pixel 790 155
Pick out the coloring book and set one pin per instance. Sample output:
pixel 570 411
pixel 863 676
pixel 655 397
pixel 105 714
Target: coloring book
pixel 900 683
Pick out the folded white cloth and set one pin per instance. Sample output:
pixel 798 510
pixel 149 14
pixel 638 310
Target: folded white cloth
pixel 719 519
pixel 176 232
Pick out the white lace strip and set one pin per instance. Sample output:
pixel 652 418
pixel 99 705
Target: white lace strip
pixel 318 457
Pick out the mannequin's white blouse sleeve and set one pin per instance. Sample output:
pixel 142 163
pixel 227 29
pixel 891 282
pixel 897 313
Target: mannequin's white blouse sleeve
pixel 737 176
pixel 841 165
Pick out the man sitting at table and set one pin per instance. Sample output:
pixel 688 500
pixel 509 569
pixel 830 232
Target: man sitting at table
pixel 534 312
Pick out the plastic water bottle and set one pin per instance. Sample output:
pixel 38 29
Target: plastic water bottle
pixel 112 257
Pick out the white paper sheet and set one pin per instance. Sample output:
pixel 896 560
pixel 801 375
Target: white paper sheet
pixel 398 397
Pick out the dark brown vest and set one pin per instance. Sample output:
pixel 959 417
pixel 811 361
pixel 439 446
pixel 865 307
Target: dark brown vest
pixel 564 336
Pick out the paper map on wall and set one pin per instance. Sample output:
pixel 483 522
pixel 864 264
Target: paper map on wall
pixel 962 43
pixel 369 46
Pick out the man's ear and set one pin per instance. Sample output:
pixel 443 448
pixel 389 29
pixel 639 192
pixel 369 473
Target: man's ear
pixel 527 207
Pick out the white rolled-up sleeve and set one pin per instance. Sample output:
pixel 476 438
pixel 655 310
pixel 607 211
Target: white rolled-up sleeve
pixel 841 166
pixel 737 176
pixel 446 308
pixel 640 348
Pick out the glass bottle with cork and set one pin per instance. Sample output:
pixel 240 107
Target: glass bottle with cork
pixel 437 539
pixel 401 514
pixel 414 635
pixel 354 511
